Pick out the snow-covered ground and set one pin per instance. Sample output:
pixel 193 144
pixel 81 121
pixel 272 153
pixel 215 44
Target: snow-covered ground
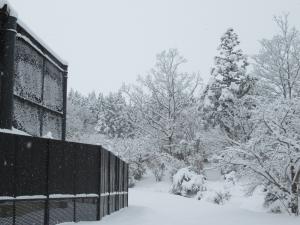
pixel 151 204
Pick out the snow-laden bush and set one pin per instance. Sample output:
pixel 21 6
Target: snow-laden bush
pixel 131 182
pixel 196 162
pixel 219 193
pixel 230 178
pixel 218 197
pixel 173 165
pixel 187 183
pixel 156 164
pixel 136 170
pixel 274 202
pixel 161 164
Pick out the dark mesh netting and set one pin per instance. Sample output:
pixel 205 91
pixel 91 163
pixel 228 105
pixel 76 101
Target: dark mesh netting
pixel 30 212
pixel 61 210
pixel 86 209
pixel 6 213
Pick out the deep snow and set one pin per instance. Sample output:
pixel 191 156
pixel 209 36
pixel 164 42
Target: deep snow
pixel 151 204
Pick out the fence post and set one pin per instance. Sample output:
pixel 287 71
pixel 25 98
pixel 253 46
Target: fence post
pixel 108 185
pixel 65 93
pixel 46 215
pixel 75 162
pixel 99 182
pixel 8 26
pixel 123 184
pixel 127 177
pixel 115 184
pixel 15 179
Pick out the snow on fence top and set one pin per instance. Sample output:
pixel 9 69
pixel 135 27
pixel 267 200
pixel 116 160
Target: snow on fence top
pixel 13 13
pixel 40 41
pixel 10 9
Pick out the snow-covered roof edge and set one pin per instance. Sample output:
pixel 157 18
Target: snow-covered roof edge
pixel 10 9
pixel 23 25
pixel 14 131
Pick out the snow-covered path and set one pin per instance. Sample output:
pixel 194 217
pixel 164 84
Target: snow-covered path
pixel 154 206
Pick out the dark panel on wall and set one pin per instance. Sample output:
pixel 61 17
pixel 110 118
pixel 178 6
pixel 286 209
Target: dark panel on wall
pixel 86 169
pixel 28 72
pixel 31 171
pixel 53 87
pixel 26 117
pixel 52 123
pixel 7 162
pixel 61 167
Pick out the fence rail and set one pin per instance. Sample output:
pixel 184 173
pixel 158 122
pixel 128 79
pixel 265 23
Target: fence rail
pixel 50 181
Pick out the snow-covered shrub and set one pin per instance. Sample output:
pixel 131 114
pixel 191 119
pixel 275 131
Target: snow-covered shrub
pixel 221 197
pixel 274 203
pixel 218 197
pixel 157 166
pixel 131 182
pixel 199 195
pixel 161 164
pixel 230 178
pixel 173 165
pixel 197 162
pixel 159 171
pixel 136 170
pixel 187 183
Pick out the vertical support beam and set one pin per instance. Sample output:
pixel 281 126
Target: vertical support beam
pixel 65 98
pixel 75 171
pixel 41 112
pixel 108 185
pixel 127 178
pixel 46 215
pixel 8 25
pixel 99 183
pixel 123 184
pixel 16 141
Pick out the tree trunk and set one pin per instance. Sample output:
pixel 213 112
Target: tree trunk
pixel 170 143
pixel 294 202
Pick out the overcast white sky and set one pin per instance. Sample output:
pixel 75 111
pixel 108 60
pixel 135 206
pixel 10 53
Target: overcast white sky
pixel 108 42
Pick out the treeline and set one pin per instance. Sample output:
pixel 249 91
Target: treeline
pixel 242 120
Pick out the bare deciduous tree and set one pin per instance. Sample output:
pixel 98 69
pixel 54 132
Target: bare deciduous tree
pixel 161 98
pixel 278 62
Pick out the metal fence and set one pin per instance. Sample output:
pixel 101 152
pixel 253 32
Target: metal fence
pixel 50 181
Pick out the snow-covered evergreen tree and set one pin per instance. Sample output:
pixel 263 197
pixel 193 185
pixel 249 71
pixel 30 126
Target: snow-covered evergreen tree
pixel 81 114
pixel 229 74
pixel 224 97
pixel 270 155
pixel 112 119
